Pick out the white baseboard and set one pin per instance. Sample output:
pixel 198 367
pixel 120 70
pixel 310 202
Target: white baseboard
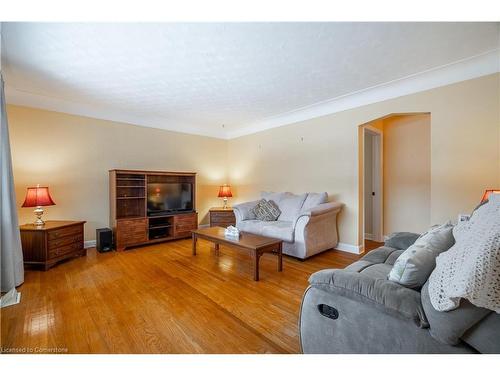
pixel 88 244
pixel 370 236
pixel 349 248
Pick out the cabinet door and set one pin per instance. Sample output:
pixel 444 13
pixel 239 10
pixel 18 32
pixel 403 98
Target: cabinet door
pixel 184 224
pixel 130 232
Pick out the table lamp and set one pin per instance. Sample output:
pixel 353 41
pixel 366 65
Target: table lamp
pixel 487 194
pixel 38 197
pixel 225 192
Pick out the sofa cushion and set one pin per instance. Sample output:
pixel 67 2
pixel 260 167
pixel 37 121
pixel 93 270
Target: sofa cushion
pixel 282 230
pixel 414 266
pixel 290 206
pixel 314 199
pixel 401 240
pixel 383 254
pixel 377 271
pixel 251 226
pixel 267 210
pixel 448 327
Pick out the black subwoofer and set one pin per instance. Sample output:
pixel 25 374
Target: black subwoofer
pixel 104 239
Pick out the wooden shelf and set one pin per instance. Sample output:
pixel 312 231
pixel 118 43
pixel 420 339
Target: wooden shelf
pixel 130 197
pixel 160 226
pixel 131 186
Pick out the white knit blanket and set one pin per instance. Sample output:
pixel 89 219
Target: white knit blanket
pixel 470 269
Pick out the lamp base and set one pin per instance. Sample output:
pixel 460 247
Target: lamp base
pixel 225 203
pixel 38 213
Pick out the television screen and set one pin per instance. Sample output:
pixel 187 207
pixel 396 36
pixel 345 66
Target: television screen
pixel 169 197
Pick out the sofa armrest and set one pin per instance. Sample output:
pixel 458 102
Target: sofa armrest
pixel 242 210
pixel 391 298
pixel 321 209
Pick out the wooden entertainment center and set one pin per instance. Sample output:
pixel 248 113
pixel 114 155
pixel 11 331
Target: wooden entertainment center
pixel 128 190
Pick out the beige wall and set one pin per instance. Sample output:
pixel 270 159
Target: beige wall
pixel 407 173
pixel 72 155
pixel 322 154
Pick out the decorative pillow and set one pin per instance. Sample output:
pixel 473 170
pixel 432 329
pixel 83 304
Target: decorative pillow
pixel 272 196
pixel 314 199
pixel 401 240
pixel 414 266
pixel 290 206
pixel 267 210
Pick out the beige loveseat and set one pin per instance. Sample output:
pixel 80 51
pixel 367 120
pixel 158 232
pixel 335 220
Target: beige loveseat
pixel 307 224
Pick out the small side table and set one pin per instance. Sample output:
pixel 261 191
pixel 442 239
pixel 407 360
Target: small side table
pixel 222 217
pixel 55 241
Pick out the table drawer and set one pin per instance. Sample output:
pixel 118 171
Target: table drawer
pixel 217 215
pixel 63 232
pixel 63 250
pixel 222 218
pixel 63 241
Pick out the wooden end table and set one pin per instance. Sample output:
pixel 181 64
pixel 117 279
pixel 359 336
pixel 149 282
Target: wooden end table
pixel 257 245
pixel 51 243
pixel 222 217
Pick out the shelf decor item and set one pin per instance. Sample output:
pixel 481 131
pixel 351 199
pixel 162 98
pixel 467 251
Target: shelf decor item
pixel 225 192
pixel 38 197
pixel 488 192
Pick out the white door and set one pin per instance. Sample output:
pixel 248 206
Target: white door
pixel 373 185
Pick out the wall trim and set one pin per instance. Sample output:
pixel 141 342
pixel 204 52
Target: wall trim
pixel 355 249
pixel 19 97
pixel 89 244
pixel 462 70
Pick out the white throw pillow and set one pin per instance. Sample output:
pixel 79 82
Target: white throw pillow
pixel 415 264
pixel 314 199
pixel 290 206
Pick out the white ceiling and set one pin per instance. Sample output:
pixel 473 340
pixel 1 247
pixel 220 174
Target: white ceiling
pixel 197 77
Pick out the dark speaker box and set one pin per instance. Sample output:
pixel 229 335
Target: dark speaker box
pixel 104 239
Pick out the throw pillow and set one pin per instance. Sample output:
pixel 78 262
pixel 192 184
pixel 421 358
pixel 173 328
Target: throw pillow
pixel 314 199
pixel 266 210
pixel 415 264
pixel 290 206
pixel 401 240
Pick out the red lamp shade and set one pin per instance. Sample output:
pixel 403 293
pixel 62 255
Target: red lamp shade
pixel 488 192
pixel 38 196
pixel 225 191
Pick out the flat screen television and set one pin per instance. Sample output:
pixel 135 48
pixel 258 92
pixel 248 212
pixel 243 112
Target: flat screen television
pixel 169 197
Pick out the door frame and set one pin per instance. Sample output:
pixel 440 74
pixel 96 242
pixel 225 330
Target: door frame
pixel 379 159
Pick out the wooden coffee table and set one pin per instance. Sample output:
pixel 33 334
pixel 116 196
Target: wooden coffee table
pixel 255 244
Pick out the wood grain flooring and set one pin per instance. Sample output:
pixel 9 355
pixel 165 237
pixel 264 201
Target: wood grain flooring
pixel 161 299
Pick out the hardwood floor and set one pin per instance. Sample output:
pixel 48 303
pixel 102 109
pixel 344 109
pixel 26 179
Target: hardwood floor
pixel 370 245
pixel 161 299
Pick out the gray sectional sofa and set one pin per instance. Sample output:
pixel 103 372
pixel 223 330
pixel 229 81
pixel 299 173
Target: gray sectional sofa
pixel 357 310
pixel 307 224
